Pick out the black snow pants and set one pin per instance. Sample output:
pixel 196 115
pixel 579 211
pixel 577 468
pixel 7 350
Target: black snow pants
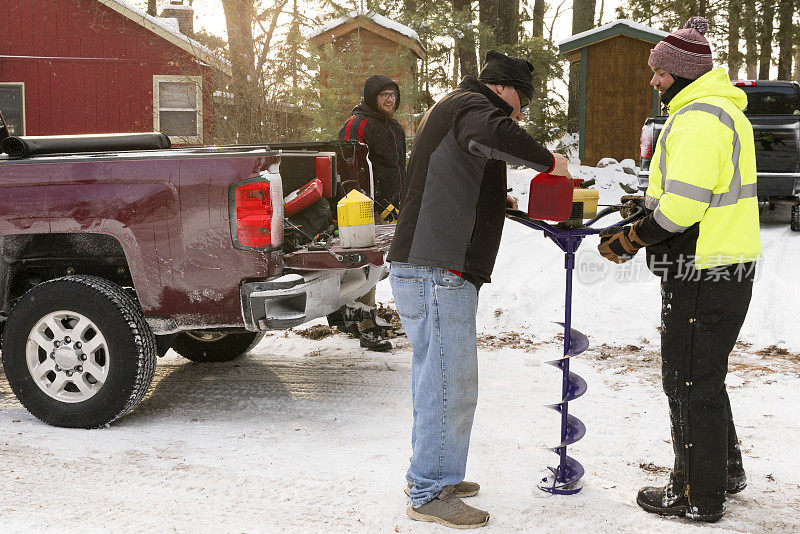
pixel 700 321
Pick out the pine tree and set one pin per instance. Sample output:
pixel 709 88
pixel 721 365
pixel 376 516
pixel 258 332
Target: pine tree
pixel 734 30
pixel 751 40
pixel 464 35
pixel 582 20
pixel 786 10
pixel 766 28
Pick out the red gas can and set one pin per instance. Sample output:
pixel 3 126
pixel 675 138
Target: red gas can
pixel 550 197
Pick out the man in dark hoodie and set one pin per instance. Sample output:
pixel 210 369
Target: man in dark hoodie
pixel 444 248
pixel 372 123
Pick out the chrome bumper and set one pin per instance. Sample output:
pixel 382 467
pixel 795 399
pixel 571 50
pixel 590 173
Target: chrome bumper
pixel 293 299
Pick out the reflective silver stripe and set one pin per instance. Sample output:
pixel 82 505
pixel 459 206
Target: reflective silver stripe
pixel 650 203
pixel 735 190
pixel 667 224
pixel 701 194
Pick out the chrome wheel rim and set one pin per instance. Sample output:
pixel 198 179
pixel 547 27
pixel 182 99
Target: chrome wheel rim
pixel 199 335
pixel 67 356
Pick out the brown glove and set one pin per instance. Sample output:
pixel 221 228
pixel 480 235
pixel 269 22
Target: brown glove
pixel 630 203
pixel 619 244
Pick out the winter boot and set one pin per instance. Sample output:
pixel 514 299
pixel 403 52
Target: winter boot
pixel 665 501
pixel 462 489
pixel 737 479
pixel 447 509
pixel 375 339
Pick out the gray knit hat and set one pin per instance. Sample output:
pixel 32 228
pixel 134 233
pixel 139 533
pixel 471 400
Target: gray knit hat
pixel 686 52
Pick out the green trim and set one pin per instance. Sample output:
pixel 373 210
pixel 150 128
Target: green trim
pixel 582 105
pixel 611 31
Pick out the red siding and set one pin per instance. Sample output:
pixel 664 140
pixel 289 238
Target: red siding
pixel 87 68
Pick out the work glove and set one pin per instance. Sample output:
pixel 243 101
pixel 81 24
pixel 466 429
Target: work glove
pixel 619 244
pixel 630 204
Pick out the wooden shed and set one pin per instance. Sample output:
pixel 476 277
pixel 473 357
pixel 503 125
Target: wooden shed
pixel 614 93
pixel 379 46
pixel 99 66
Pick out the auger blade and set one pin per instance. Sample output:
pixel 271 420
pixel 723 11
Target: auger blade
pixel 575 428
pixel 567 482
pixel 578 342
pixel 576 385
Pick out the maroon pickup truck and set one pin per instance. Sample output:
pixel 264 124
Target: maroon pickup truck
pixel 112 254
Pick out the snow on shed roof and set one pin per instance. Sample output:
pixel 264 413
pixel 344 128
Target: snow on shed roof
pixel 167 28
pixel 380 20
pixel 617 27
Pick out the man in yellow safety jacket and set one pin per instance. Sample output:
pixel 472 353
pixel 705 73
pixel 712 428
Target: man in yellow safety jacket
pixel 702 238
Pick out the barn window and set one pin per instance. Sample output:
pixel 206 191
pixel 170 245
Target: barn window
pixel 12 105
pixel 178 108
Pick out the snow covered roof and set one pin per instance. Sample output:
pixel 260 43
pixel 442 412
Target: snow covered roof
pixel 167 28
pixel 350 19
pixel 612 29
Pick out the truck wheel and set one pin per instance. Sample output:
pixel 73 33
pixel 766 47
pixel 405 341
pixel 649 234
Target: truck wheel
pixel 795 220
pixel 77 352
pixel 201 346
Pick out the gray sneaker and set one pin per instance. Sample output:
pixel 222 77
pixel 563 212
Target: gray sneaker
pixel 463 489
pixel 448 510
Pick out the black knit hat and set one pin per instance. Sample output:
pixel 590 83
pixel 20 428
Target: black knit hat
pixel 501 69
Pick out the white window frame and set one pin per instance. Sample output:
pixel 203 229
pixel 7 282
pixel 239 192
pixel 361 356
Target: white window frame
pixel 198 81
pixel 20 84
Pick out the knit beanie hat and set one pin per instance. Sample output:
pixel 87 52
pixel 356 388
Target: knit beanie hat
pixel 686 52
pixel 501 69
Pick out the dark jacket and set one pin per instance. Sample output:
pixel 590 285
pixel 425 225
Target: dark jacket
pixel 385 138
pixel 454 198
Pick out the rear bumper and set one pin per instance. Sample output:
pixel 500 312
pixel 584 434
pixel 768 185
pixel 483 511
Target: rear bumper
pixel 769 185
pixel 293 299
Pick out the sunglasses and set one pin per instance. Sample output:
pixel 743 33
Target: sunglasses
pixel 388 95
pixel 523 100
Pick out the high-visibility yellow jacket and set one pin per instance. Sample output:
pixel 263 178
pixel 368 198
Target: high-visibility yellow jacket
pixel 704 171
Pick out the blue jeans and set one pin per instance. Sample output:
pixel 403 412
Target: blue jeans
pixel 437 309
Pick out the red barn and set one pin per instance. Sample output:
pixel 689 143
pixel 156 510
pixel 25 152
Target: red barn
pixel 98 66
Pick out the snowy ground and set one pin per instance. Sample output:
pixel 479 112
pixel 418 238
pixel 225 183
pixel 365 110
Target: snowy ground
pixel 305 435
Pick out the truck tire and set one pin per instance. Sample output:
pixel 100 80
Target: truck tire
pixel 200 346
pixel 77 352
pixel 794 223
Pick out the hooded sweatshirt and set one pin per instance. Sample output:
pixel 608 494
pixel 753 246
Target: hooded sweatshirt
pixel 385 138
pixel 703 179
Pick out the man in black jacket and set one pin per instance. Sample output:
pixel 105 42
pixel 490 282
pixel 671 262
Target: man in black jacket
pixel 372 122
pixel 444 249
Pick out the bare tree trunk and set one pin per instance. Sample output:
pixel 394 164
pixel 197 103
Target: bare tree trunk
pixel 797 65
pixel 582 20
pixel 487 17
pixel 247 112
pixel 751 40
pixel 785 27
pixel 152 8
pixel 765 39
pixel 508 23
pixel 600 13
pixel 734 27
pixel 538 18
pixel 465 37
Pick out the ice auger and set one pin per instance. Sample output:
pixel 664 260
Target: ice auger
pixel 565 479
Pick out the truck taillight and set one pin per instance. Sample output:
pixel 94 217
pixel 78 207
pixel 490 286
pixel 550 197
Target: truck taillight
pixel 259 213
pixel 646 144
pixel 745 83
